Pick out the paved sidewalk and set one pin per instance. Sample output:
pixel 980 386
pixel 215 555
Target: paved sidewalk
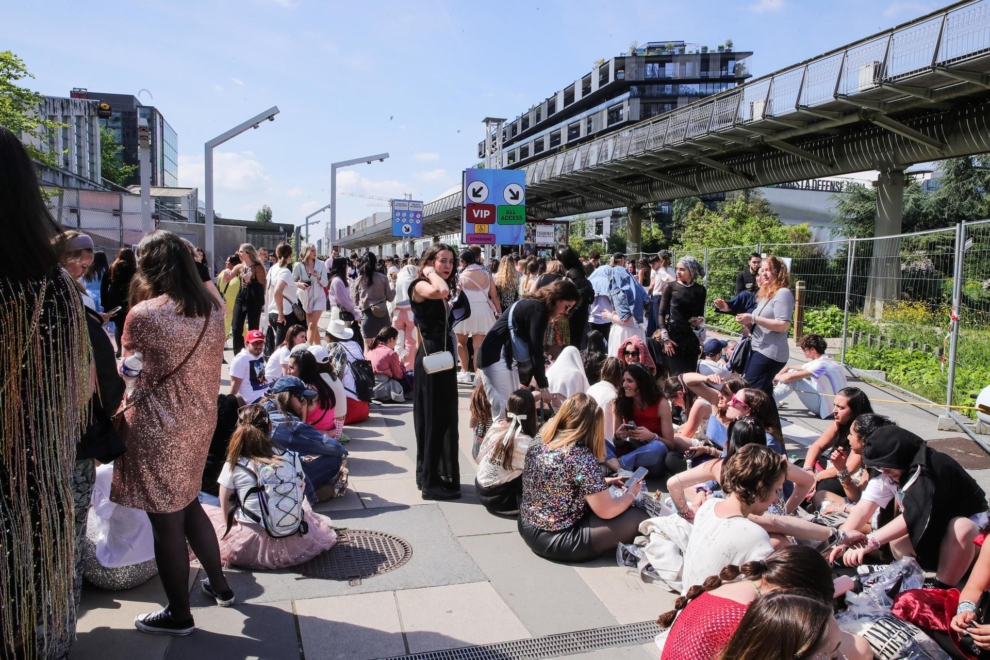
pixel 471 580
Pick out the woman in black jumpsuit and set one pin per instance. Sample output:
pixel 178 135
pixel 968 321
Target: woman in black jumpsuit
pixel 682 308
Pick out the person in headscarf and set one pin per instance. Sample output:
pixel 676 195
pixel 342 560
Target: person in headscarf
pixel 944 508
pixel 634 350
pixel 566 376
pixel 682 310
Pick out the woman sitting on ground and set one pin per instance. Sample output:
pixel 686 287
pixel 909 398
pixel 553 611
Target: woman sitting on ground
pixel 566 376
pixel 605 391
pixel 943 508
pixel 850 403
pixel 878 493
pixel 253 459
pixel 634 351
pixel 277 365
pixel 643 433
pixel 481 417
pixel 567 512
pixel 709 614
pixel 696 410
pixel 593 356
pixel 303 365
pixel 343 350
pixel 325 368
pixel 760 406
pixel 502 456
pixel 717 394
pixel 390 377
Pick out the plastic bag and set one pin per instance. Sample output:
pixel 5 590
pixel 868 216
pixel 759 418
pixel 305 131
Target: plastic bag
pixel 628 555
pixel 889 637
pixel 883 585
pixel 648 502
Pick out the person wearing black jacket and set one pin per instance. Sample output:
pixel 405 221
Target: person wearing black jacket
pixel 117 294
pixel 579 316
pixel 746 278
pixel 512 353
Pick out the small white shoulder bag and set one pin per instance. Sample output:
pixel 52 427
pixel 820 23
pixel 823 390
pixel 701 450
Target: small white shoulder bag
pixel 436 362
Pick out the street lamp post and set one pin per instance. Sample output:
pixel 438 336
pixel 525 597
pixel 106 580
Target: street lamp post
pixel 333 188
pixel 254 122
pixel 311 215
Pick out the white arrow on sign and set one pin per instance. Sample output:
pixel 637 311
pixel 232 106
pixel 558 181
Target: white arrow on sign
pixel 513 194
pixel 477 192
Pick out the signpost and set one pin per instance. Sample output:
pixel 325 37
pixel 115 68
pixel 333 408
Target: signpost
pixel 494 207
pixel 407 218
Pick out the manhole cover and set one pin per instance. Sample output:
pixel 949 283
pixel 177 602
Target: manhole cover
pixel 358 554
pixel 966 452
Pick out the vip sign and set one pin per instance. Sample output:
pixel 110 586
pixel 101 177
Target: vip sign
pixel 494 207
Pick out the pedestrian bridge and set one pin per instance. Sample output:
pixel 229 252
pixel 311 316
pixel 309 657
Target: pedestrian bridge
pixel 916 93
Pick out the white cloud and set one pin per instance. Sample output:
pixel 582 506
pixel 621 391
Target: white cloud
pixel 426 156
pixel 308 207
pixel 895 8
pixel 767 5
pixel 232 172
pixel 237 81
pixel 432 176
pixel 294 191
pixel 351 181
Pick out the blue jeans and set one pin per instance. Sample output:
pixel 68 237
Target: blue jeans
pixel 652 322
pixel 650 456
pixel 319 472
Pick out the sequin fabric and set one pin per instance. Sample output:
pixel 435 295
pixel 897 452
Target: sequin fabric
pixel 555 483
pixel 168 432
pixel 703 628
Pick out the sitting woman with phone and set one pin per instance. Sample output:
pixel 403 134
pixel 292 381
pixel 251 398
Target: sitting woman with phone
pixel 567 512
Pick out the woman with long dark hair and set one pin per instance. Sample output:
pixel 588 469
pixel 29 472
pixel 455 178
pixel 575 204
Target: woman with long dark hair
pixel 372 293
pixel 787 625
pixel 502 456
pixel 93 279
pixel 437 455
pixel 46 393
pixel 579 317
pixel 303 365
pixel 177 325
pixel 643 433
pixel 118 291
pixel 848 404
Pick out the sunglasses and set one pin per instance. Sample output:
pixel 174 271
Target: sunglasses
pixel 568 308
pixel 631 353
pixel 738 403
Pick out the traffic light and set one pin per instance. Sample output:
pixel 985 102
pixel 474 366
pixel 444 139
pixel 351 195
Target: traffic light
pixel 103 110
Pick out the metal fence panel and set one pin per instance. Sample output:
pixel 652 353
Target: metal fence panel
pixel 972 355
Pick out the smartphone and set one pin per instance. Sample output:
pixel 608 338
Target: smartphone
pixel 114 310
pixel 638 475
pixel 630 425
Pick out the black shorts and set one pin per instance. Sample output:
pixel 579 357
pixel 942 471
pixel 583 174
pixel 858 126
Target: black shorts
pixel 571 545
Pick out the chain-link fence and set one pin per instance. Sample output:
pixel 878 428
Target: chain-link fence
pixel 972 350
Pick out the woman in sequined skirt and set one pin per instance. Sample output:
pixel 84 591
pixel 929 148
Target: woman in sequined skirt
pixel 44 368
pixel 178 327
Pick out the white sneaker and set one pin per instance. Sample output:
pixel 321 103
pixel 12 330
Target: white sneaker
pixel 464 377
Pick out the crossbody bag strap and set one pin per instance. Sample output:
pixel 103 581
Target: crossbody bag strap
pixel 154 387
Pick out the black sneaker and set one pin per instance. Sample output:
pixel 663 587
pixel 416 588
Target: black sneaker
pixel 224 598
pixel 440 494
pixel 162 623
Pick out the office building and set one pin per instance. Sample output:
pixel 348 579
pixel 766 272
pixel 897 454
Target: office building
pixel 626 89
pixel 126 110
pixel 78 143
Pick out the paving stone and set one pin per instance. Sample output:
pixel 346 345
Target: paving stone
pixel 627 597
pixel 358 627
pixel 242 631
pixel 458 615
pixel 467 517
pixel 378 493
pixel 350 500
pixel 548 598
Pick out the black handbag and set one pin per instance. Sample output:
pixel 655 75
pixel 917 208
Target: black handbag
pixel 740 356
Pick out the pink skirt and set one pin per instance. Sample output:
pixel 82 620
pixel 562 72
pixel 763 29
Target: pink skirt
pixel 249 546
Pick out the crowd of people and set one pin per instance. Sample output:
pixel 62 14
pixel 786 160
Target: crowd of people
pixel 586 378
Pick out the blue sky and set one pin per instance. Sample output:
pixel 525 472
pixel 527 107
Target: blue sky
pixel 412 78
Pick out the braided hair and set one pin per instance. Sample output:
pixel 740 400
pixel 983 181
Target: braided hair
pixel 790 567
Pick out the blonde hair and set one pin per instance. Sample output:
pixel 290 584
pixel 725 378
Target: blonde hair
pixel 507 277
pixel 256 266
pixel 555 267
pixel 304 251
pixel 780 280
pixel 578 422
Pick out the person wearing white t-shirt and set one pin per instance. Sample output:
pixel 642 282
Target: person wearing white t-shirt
pixel 661 273
pixel 816 382
pixel 247 370
pixel 276 365
pixel 605 391
pixel 723 534
pixel 711 363
pixel 282 292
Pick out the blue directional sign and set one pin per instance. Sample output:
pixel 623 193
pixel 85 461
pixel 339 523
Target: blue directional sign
pixel 494 207
pixel 407 218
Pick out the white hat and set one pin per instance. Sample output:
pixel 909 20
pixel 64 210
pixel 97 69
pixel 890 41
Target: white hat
pixel 299 348
pixel 339 329
pixel 320 354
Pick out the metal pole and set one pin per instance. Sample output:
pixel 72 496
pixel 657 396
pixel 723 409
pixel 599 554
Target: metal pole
pixel 706 268
pixel 144 150
pixel 333 205
pixel 850 263
pixel 208 170
pixel 956 296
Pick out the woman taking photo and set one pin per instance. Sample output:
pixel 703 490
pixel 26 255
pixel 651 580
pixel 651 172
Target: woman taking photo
pixel 682 309
pixel 250 300
pixel 282 293
pixel 567 512
pixel 311 277
pixel 437 464
pixel 118 293
pixel 512 353
pixel 372 293
pixel 479 288
pixel 643 433
pixel 177 325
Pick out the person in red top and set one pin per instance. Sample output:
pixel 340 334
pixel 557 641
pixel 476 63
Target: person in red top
pixel 705 618
pixel 390 377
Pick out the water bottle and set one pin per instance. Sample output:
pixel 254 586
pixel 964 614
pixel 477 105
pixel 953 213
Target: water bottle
pixel 130 369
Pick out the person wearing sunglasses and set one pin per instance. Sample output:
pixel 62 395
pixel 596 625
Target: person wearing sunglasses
pixel 289 403
pixel 634 351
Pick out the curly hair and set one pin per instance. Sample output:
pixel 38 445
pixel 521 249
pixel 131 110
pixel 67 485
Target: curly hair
pixel 752 473
pixel 779 278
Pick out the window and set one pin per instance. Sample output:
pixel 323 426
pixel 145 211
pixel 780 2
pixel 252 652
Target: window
pixel 525 122
pixel 603 75
pixel 551 105
pixel 669 70
pixel 537 146
pixel 555 139
pixel 652 70
pixel 511 158
pixel 515 130
pixel 539 115
pixel 616 114
pixel 574 131
pixel 589 125
pixel 524 151
pixel 569 96
pixel 586 85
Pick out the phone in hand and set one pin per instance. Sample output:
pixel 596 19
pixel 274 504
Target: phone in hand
pixel 114 310
pixel 631 426
pixel 638 475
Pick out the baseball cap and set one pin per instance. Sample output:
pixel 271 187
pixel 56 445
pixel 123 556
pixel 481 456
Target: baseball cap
pixel 320 354
pixel 292 385
pixel 253 336
pixel 618 255
pixel 713 346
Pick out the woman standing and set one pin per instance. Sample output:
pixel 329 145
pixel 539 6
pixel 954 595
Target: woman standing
pixel 507 283
pixel 682 309
pixel 768 325
pixel 402 316
pixel 45 383
pixel 479 287
pixel 574 271
pixel 118 293
pixel 341 304
pixel 93 279
pixel 282 293
pixel 437 469
pixel 229 286
pixel 250 298
pixel 178 327
pixel 311 277
pixel 371 292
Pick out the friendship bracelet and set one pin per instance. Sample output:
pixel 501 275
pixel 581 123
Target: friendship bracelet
pixel 871 542
pixel 966 606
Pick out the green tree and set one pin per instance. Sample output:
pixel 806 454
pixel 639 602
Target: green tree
pixel 19 109
pixel 578 231
pixel 744 220
pixel 264 214
pixel 112 166
pixel 616 240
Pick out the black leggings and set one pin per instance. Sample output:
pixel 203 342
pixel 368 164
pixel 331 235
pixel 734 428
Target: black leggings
pixel 244 310
pixel 171 531
pixel 589 539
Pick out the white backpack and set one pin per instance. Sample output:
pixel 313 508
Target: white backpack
pixel 279 492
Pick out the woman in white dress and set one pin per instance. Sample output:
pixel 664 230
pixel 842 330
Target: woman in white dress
pixel 479 286
pixel 311 277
